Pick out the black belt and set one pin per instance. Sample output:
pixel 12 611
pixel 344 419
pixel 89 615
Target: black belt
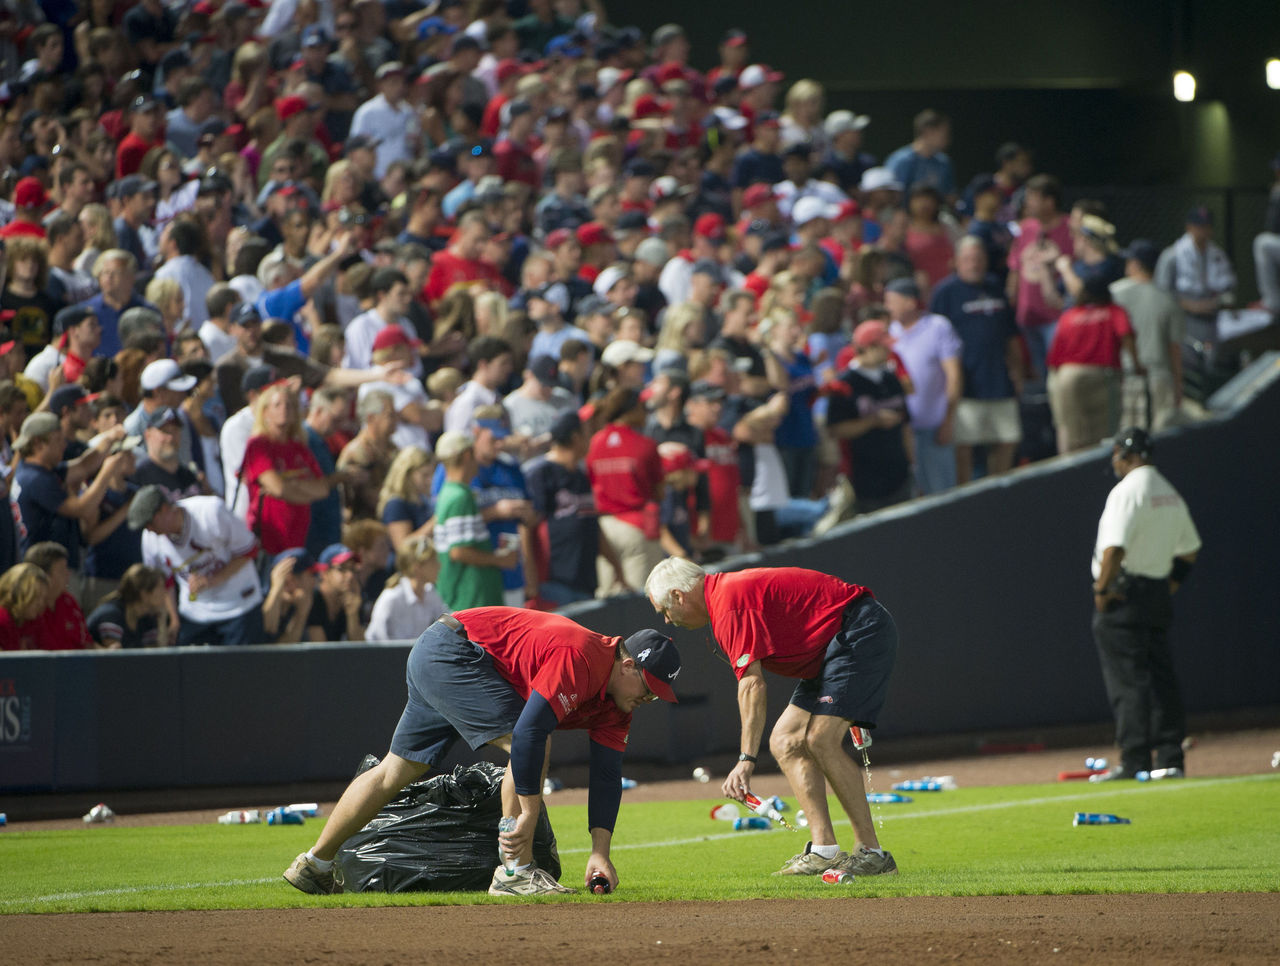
pixel 451 622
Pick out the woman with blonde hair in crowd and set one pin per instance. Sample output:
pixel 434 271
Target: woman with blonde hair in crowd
pixel 490 314
pixel 24 596
pixel 280 472
pixel 134 614
pixel 683 334
pixel 166 295
pixel 409 601
pixel 99 236
pixel 341 186
pixel 403 503
pixel 801 122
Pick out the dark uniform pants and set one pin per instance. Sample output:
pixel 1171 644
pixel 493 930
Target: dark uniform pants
pixel 1137 666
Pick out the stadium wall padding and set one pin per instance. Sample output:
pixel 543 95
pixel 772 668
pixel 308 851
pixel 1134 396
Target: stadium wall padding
pixel 989 585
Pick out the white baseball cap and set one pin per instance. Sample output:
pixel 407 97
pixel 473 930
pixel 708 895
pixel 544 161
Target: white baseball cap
pixel 607 279
pixel 621 351
pixel 810 207
pixel 451 445
pixel 838 122
pixel 165 374
pixel 877 179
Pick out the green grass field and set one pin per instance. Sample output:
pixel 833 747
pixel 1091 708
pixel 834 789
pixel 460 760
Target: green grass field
pixel 1198 835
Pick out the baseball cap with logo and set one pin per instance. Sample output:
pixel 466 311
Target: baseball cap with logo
pixel 162 417
pixel 546 370
pixel 659 661
pixel 709 226
pixel 593 233
pixel 287 107
pixel 246 313
pixel 303 561
pixel 166 374
pixel 257 378
pixel 1200 215
pixel 65 397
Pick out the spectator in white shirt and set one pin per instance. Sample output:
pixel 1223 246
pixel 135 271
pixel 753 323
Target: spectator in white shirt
pixel 215 333
pixel 181 242
pixel 493 360
pixel 409 601
pixel 388 118
pixel 391 296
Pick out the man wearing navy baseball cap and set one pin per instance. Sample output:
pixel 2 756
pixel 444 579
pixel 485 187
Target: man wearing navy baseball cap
pixel 509 676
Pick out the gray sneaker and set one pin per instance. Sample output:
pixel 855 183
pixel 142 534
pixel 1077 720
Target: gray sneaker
pixel 809 863
pixel 839 500
pixel 866 862
pixel 308 877
pixel 531 882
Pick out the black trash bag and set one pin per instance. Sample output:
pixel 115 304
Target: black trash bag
pixel 438 835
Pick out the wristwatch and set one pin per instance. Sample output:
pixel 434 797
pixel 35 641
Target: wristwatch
pixel 745 757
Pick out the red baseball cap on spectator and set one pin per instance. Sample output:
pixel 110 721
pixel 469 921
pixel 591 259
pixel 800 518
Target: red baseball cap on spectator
pixel 557 238
pixel 647 105
pixel 757 194
pixel 872 332
pixel 29 193
pixel 675 457
pixel 287 107
pixel 710 226
pixel 850 209
pixel 507 68
pixel 392 336
pixel 593 233
pixel 204 8
pixel 670 71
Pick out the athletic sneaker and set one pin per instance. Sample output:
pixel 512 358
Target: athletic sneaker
pixel 809 862
pixel 531 882
pixel 866 862
pixel 307 876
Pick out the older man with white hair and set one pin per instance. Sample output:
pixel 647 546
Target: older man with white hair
pixel 840 642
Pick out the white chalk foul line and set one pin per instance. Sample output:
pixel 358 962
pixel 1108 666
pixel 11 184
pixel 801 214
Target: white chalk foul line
pixel 1076 792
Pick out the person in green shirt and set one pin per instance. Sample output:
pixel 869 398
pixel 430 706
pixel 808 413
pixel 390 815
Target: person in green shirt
pixel 470 570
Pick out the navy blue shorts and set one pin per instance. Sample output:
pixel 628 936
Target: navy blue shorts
pixel 454 692
pixel 855 672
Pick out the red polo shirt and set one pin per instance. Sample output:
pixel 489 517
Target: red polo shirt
pixel 783 617
pixel 560 659
pixel 278 524
pixel 448 270
pixel 624 469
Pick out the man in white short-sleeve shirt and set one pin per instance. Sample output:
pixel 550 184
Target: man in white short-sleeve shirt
pixel 1145 547
pixel 208 552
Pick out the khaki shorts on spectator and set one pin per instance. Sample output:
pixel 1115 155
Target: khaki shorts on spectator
pixel 983 421
pixel 1085 403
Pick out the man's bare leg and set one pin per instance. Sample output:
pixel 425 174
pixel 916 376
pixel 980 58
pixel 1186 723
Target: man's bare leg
pixel 363 799
pixel 825 737
pixel 787 743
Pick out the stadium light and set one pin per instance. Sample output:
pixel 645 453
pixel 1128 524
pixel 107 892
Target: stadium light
pixel 1273 73
pixel 1184 86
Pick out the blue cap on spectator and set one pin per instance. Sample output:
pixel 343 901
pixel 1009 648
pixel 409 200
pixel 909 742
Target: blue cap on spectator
pixel 335 555
pixel 562 46
pixel 65 397
pixel 133 184
pixel 304 562
pixel 1143 251
pixel 434 27
pixel 1200 215
pixel 162 417
pixel 904 285
pixel 257 378
pixel 246 313
pixel 498 427
pixel 314 36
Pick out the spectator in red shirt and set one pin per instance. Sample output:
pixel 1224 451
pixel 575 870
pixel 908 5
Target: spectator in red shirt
pixel 62 619
pixel 1084 367
pixel 724 479
pixel 24 596
pixel 513 151
pixel 840 643
pixel 281 473
pixel 626 479
pixel 460 263
pixel 30 201
pixel 540 673
pixel 507 74
pixel 145 121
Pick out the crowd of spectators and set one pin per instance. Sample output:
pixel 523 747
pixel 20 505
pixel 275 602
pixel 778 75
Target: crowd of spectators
pixel 322 318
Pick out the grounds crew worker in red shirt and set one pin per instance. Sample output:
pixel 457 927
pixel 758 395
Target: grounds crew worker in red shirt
pixel 840 642
pixel 509 677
